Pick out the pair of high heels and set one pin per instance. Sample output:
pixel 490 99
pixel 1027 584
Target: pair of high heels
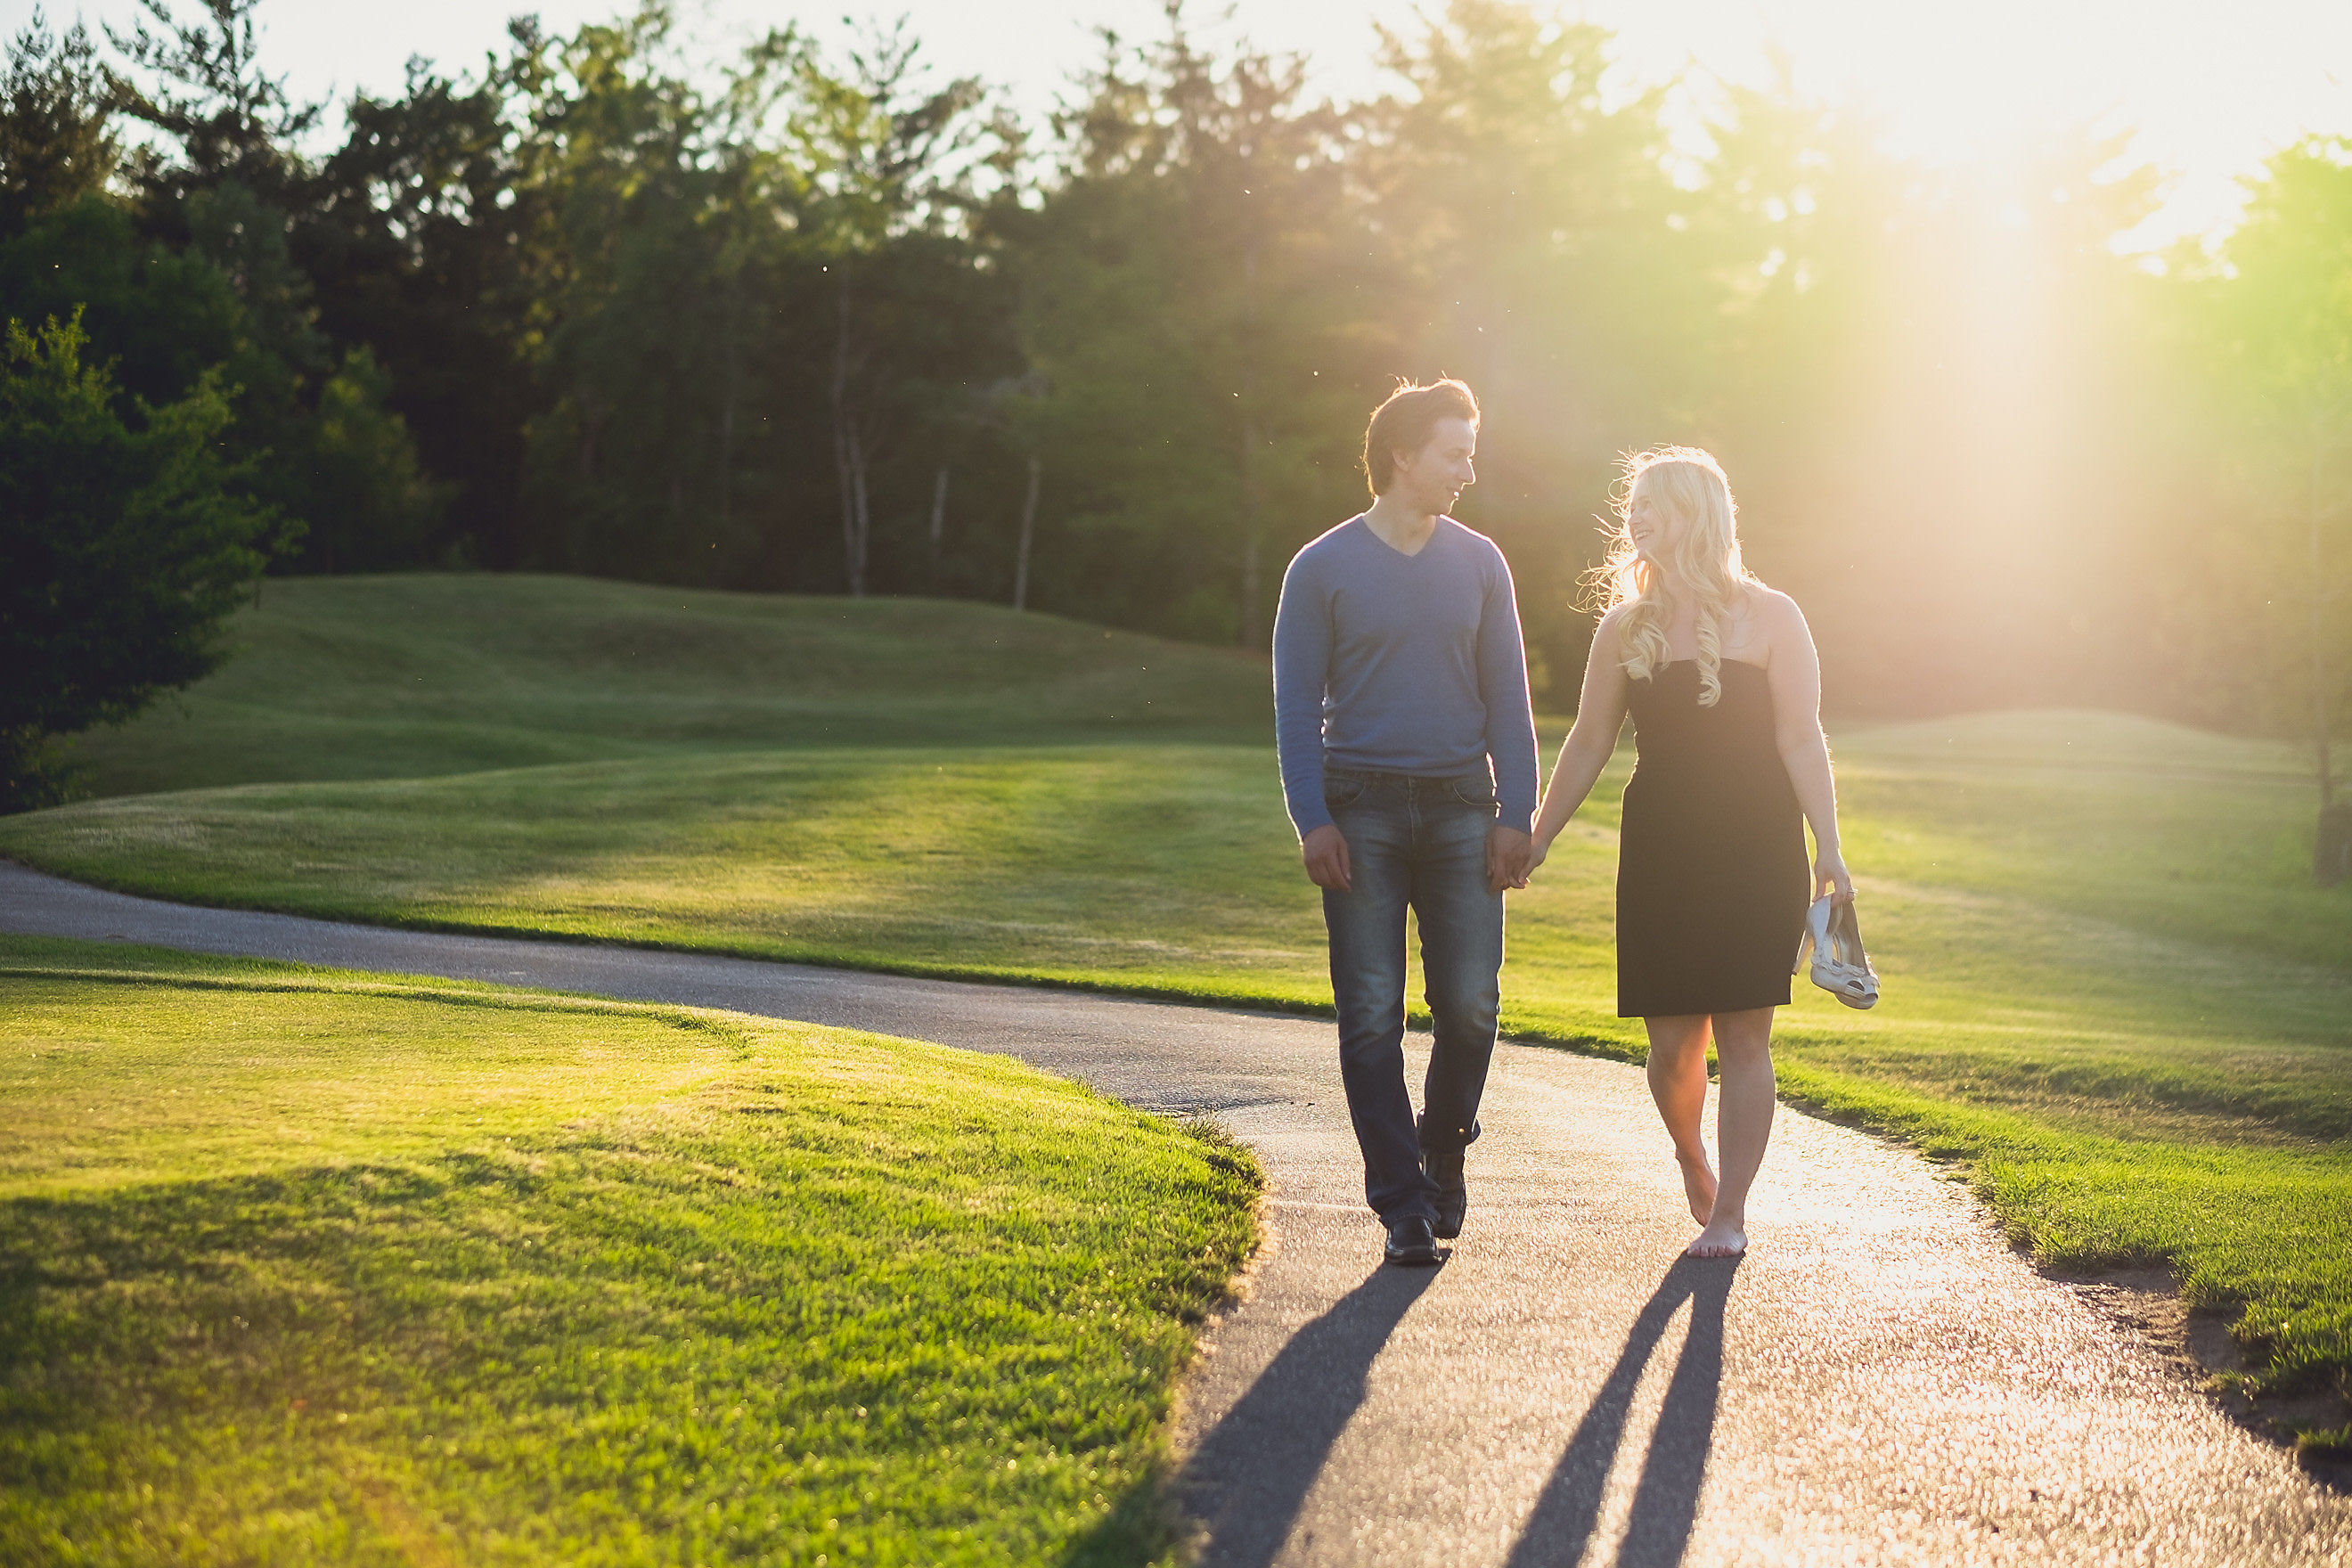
pixel 1841 967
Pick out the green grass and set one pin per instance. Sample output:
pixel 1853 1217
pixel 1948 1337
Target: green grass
pixel 2110 985
pixel 356 678
pixel 305 1267
pixel 1169 868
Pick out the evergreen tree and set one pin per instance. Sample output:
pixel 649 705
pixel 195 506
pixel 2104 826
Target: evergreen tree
pixel 57 137
pixel 231 188
pixel 123 546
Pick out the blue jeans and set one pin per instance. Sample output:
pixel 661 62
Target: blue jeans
pixel 1417 842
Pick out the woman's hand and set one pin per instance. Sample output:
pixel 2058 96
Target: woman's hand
pixel 1830 875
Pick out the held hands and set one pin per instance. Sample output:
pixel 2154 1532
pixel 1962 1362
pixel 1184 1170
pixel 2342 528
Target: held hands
pixel 1830 876
pixel 1511 856
pixel 1326 854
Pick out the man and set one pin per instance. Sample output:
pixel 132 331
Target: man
pixel 1408 752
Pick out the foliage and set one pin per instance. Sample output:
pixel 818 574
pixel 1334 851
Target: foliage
pixel 56 143
pixel 1191 300
pixel 123 546
pixel 1549 259
pixel 233 123
pixel 2272 341
pixel 818 320
pixel 160 319
pixel 182 264
pixel 358 1270
pixel 374 509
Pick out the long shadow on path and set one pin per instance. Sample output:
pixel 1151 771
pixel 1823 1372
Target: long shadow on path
pixel 1251 1474
pixel 1666 1501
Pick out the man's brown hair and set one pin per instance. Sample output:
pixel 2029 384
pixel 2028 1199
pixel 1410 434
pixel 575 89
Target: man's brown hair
pixel 1403 423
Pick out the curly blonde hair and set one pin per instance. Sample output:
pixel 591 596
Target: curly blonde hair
pixel 1690 484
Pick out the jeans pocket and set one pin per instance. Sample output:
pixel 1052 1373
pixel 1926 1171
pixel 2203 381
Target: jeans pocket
pixel 1342 792
pixel 1474 792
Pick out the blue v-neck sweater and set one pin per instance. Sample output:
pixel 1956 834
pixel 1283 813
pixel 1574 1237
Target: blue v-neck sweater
pixel 1403 664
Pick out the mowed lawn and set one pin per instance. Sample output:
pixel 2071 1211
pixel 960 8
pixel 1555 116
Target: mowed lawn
pixel 364 678
pixel 2110 985
pixel 300 1266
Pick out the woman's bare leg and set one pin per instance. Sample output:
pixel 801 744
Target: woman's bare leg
pixel 1743 1125
pixel 1678 1083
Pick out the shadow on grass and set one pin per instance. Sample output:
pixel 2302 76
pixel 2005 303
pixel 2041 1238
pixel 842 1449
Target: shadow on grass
pixel 1666 1500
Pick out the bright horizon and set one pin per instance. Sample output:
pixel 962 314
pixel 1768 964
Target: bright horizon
pixel 2212 90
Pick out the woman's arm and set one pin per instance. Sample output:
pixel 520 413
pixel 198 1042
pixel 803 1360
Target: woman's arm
pixel 1599 714
pixel 1794 669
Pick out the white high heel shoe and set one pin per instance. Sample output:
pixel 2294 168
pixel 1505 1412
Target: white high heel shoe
pixel 1840 965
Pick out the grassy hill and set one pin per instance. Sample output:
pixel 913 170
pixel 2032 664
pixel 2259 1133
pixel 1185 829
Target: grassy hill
pixel 2111 987
pixel 410 677
pixel 299 1266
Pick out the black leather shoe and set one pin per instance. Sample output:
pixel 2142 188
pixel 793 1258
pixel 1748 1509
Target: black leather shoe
pixel 1453 1195
pixel 1411 1244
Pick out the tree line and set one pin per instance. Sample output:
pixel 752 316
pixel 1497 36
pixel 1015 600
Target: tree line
pixel 818 320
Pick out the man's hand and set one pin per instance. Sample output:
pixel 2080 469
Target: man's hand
pixel 1508 851
pixel 1326 854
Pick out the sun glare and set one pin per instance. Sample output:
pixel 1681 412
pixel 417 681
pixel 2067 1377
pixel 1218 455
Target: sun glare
pixel 2209 90
pixel 2205 91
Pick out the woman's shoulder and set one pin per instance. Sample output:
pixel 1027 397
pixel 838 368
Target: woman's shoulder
pixel 1773 626
pixel 1612 624
pixel 1771 611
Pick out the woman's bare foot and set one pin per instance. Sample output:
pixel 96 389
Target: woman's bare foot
pixel 1698 1182
pixel 1725 1240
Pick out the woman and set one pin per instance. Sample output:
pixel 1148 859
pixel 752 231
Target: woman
pixel 1720 675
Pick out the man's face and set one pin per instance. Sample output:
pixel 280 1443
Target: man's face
pixel 1433 478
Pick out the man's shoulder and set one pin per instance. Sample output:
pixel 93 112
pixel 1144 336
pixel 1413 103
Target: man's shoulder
pixel 1476 544
pixel 1334 538
pixel 1328 546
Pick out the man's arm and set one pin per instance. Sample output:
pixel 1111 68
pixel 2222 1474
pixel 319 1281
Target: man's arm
pixel 1302 669
pixel 1510 727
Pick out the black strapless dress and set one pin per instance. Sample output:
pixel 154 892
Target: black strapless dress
pixel 1712 876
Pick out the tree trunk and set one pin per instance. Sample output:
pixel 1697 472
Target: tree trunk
pixel 1253 501
pixel 1028 533
pixel 1253 634
pixel 728 393
pixel 591 426
pixel 2331 852
pixel 848 464
pixel 939 520
pixel 865 529
pixel 592 414
pixel 2319 633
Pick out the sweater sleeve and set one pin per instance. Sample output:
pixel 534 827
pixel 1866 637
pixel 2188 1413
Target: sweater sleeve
pixel 1503 688
pixel 1302 668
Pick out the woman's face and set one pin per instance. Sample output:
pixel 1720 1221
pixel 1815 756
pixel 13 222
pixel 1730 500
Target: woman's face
pixel 1653 528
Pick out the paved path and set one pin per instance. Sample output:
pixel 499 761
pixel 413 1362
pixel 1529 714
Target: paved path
pixel 1880 1382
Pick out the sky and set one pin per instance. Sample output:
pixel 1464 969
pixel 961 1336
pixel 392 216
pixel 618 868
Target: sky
pixel 2212 88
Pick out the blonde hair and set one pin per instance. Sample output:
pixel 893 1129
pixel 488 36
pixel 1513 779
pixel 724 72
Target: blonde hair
pixel 1690 484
